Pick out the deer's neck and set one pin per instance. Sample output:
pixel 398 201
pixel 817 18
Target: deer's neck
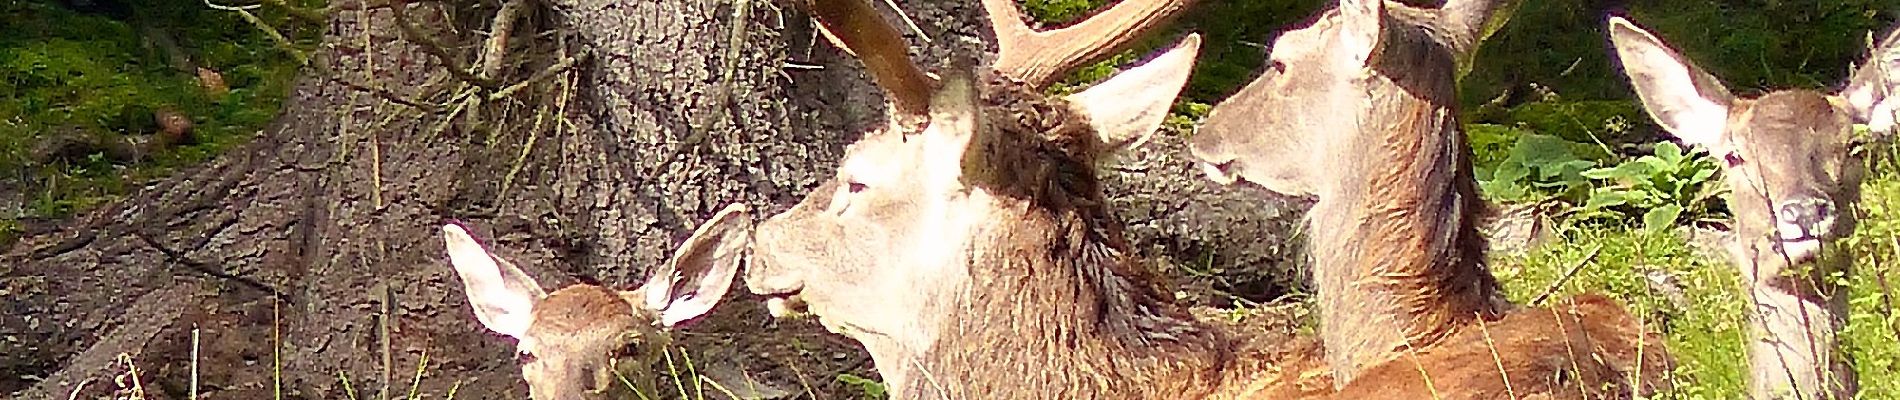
pixel 1055 311
pixel 1397 259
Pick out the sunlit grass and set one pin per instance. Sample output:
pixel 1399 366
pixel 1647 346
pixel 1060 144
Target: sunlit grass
pixel 1697 301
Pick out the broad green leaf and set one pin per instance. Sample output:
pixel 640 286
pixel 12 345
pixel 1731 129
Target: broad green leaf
pixel 1661 217
pixel 1603 198
pixel 1668 151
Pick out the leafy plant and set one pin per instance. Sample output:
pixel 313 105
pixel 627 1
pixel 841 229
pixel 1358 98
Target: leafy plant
pixel 1663 186
pixel 872 388
pixel 1534 168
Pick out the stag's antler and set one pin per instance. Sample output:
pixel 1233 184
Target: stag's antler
pixel 1033 57
pixel 1038 58
pixel 860 30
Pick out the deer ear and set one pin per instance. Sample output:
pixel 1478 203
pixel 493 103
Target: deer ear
pixel 1361 25
pixel 1688 102
pixel 503 296
pixel 701 271
pixel 1869 92
pixel 1127 109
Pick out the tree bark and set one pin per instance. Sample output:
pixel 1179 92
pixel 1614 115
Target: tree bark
pixel 309 261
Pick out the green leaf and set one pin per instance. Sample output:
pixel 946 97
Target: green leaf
pixel 1668 151
pixel 1661 217
pixel 1604 198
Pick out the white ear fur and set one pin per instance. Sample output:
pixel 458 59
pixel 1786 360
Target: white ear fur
pixel 503 296
pixel 701 271
pixel 1685 100
pixel 1361 26
pixel 1127 109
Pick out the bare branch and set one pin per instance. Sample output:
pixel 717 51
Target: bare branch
pixel 1038 58
pixel 863 32
pixel 399 10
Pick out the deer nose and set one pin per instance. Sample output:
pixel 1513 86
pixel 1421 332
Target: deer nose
pixel 1811 214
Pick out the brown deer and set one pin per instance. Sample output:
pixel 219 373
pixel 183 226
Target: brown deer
pixel 580 341
pixel 967 247
pixel 1793 183
pixel 1359 110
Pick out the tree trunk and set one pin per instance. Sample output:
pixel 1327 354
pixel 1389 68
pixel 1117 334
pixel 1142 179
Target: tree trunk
pixel 309 261
pixel 321 236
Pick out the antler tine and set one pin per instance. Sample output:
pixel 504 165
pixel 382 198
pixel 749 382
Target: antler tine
pixel 884 52
pixel 1038 57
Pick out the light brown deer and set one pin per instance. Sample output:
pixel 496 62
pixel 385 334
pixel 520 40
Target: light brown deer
pixel 1793 183
pixel 1359 110
pixel 580 341
pixel 967 247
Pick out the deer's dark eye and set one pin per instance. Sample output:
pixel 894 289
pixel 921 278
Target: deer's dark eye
pixel 524 357
pixel 854 187
pixel 1733 159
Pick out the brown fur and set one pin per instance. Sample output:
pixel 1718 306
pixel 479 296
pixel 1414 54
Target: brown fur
pixel 1058 309
pixel 1397 260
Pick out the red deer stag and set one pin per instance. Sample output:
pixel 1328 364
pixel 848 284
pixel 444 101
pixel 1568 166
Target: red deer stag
pixel 574 342
pixel 1793 183
pixel 1358 109
pixel 967 247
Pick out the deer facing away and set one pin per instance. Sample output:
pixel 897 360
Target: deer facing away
pixel 1793 183
pixel 967 247
pixel 579 341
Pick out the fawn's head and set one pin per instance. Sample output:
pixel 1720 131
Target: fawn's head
pixel 1788 155
pixel 576 342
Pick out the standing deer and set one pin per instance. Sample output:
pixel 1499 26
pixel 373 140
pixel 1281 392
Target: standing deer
pixel 1793 181
pixel 574 342
pixel 967 247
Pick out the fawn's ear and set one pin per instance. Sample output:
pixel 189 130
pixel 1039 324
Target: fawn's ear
pixel 1688 102
pixel 701 271
pixel 1127 109
pixel 503 296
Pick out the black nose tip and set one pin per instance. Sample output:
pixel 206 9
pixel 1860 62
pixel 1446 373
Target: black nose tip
pixel 1806 212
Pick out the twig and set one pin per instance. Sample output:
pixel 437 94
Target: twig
pixel 174 256
pixel 385 94
pixel 215 6
pixel 194 363
pixel 495 49
pixel 397 8
pixel 722 95
pixel 551 71
pixel 1572 272
pixel 282 42
pixel 907 20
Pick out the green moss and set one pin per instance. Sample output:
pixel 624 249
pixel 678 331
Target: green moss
pixel 66 71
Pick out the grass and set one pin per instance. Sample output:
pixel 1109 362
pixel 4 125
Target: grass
pixel 1698 302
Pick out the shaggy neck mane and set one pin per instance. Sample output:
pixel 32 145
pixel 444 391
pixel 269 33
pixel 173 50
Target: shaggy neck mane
pixel 1406 262
pixel 1057 309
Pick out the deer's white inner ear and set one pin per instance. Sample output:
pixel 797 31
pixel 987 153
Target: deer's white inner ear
pixel 502 296
pixel 1361 25
pixel 1127 109
pixel 1685 100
